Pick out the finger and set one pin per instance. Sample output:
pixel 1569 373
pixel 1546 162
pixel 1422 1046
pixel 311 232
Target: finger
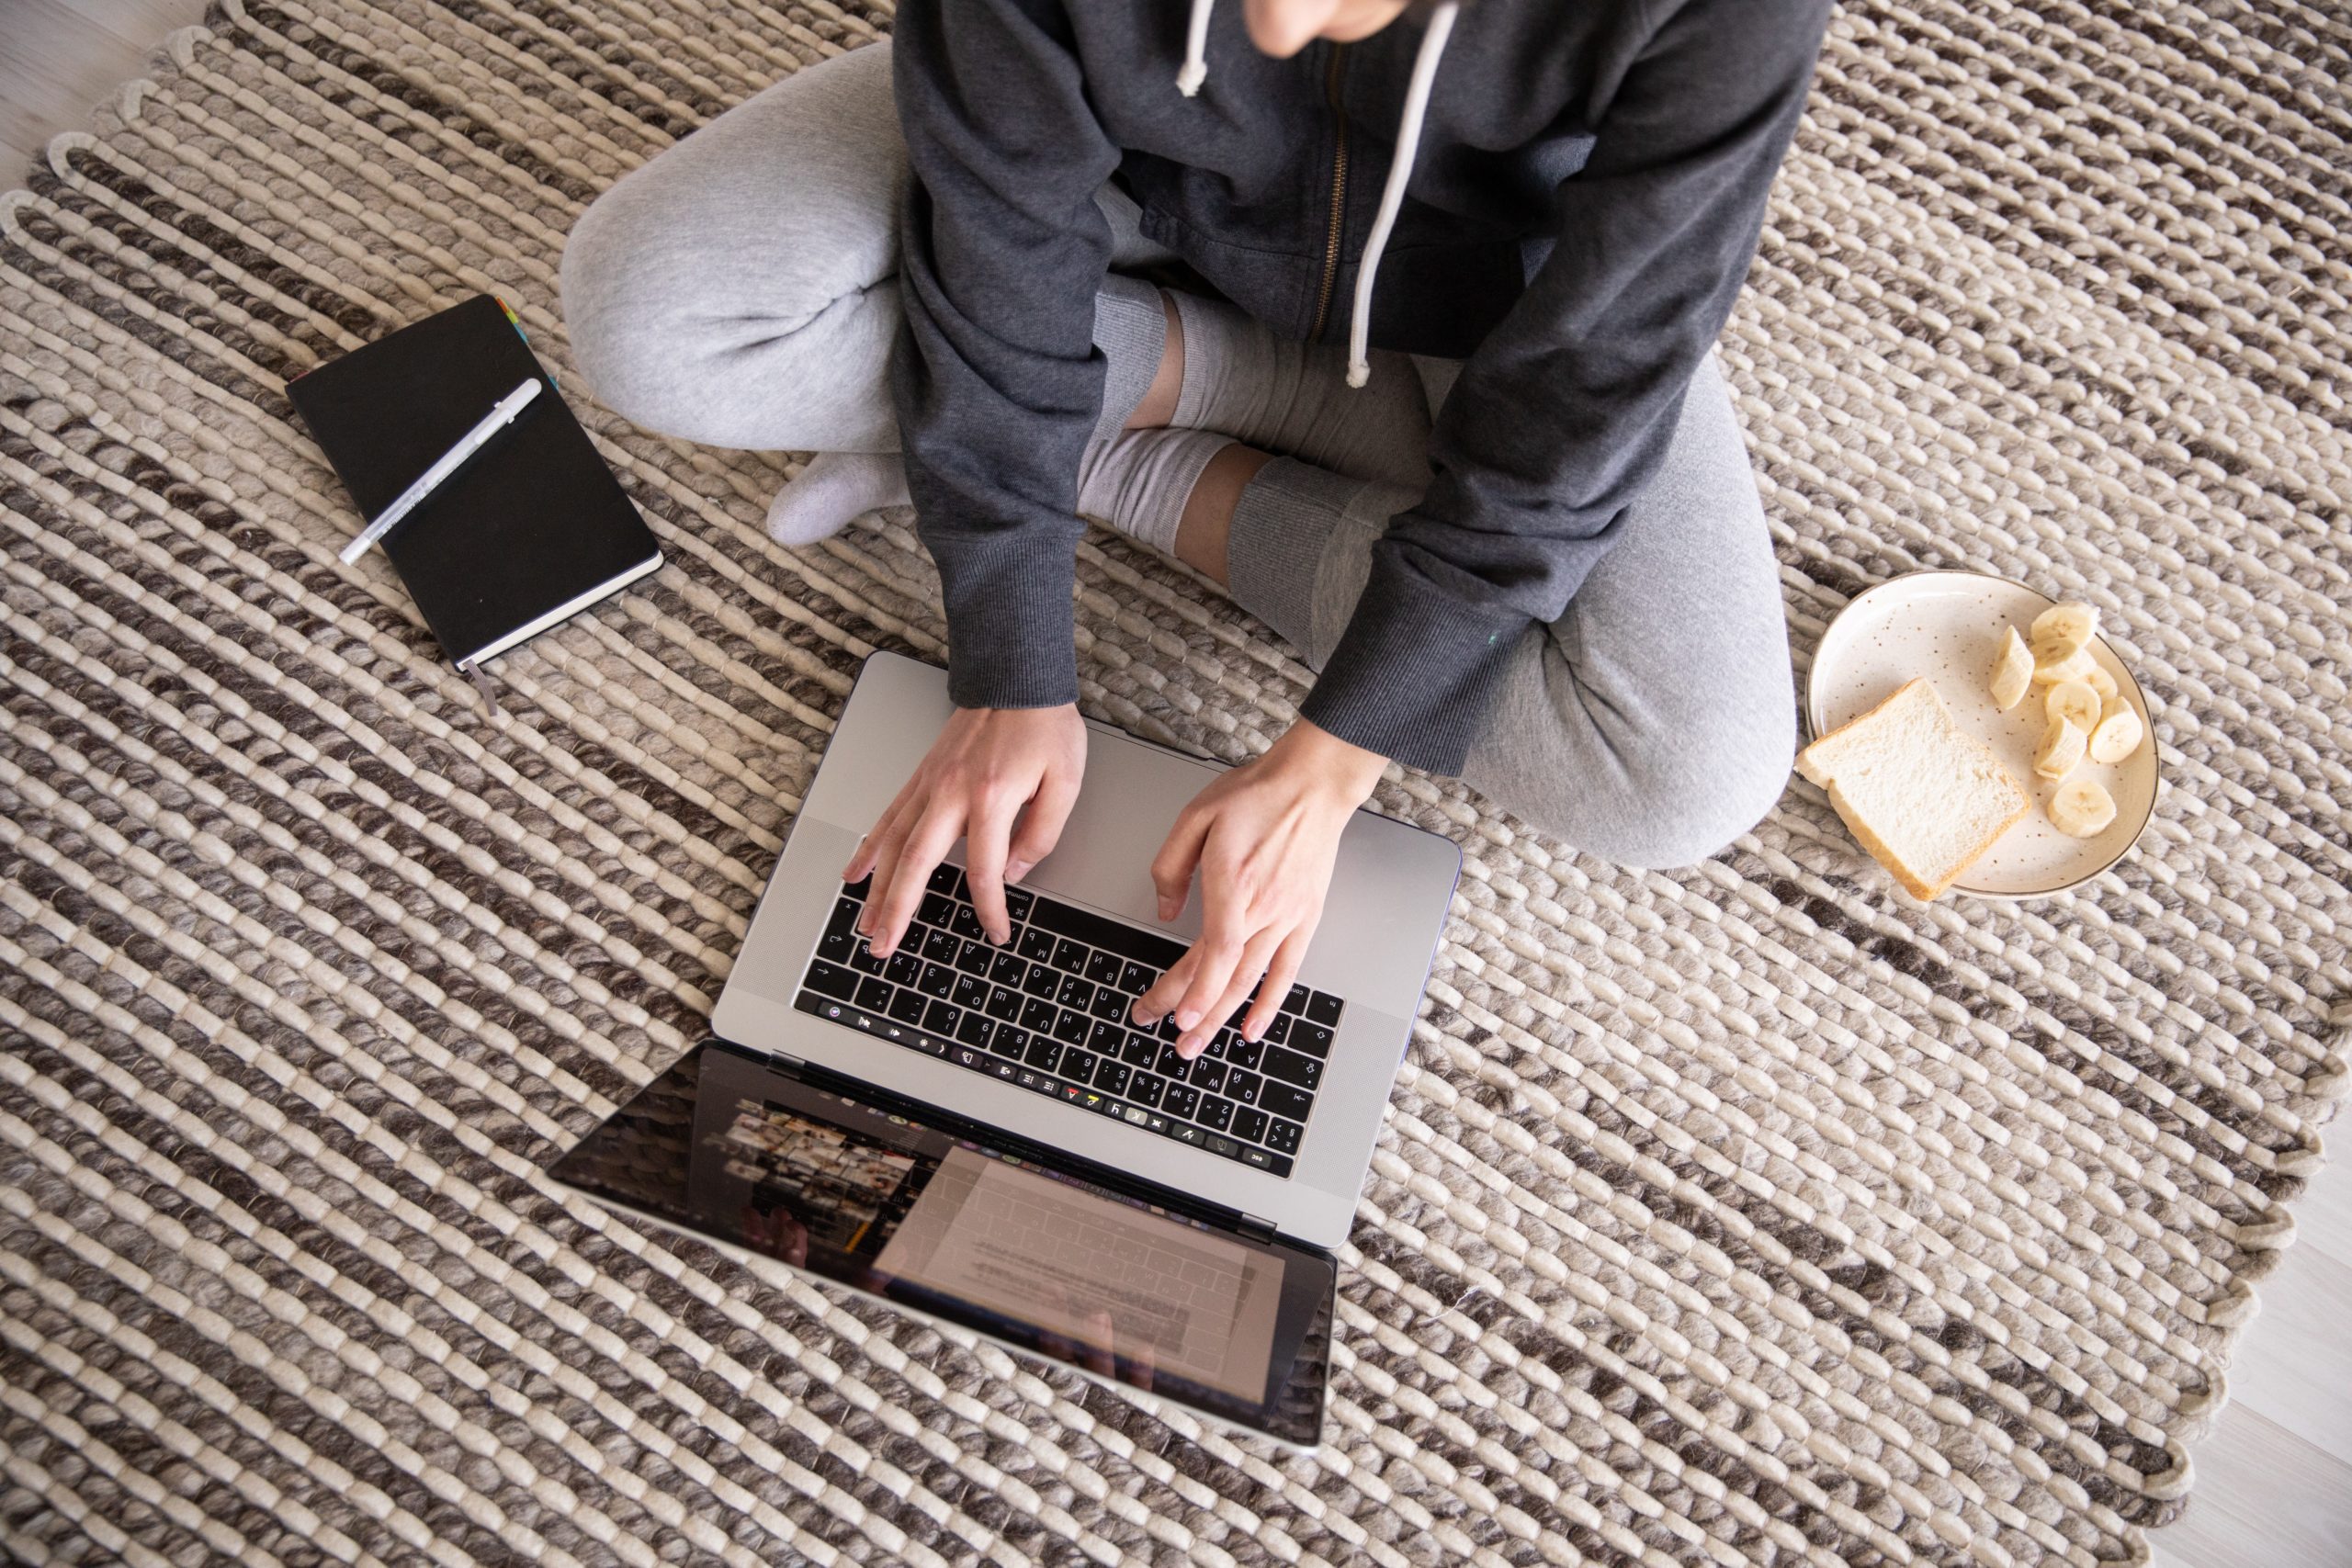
pixel 1153 1004
pixel 887 839
pixel 1102 1357
pixel 986 837
pixel 1220 954
pixel 869 848
pixel 1279 975
pixel 910 877
pixel 1171 868
pixel 1041 824
pixel 1236 988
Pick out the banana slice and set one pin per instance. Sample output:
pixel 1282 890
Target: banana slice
pixel 2075 666
pixel 2074 702
pixel 2118 735
pixel 2063 631
pixel 2061 750
pixel 2012 669
pixel 2082 808
pixel 2100 680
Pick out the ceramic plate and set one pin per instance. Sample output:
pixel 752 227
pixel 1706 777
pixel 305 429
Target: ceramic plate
pixel 1946 626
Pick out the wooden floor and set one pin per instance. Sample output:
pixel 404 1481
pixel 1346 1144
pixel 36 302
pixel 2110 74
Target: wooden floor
pixel 2274 1479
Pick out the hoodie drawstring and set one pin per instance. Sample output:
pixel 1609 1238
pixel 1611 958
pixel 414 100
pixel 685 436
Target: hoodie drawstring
pixel 1196 49
pixel 1392 195
pixel 1400 170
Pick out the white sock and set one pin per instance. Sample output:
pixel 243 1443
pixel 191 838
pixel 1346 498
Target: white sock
pixel 832 490
pixel 1293 399
pixel 1138 480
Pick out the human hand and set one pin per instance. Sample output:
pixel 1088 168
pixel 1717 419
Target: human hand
pixel 989 767
pixel 1263 838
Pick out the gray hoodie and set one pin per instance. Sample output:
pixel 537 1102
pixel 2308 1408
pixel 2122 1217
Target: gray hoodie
pixel 1573 218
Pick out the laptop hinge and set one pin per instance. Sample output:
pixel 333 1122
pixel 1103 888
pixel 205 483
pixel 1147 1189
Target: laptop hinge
pixel 1255 1229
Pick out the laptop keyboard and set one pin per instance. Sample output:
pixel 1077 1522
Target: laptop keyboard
pixel 1049 1012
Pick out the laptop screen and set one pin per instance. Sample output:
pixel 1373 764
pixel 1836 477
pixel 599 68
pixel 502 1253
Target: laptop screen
pixel 728 1146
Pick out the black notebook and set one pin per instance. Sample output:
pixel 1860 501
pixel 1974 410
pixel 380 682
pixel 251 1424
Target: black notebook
pixel 534 528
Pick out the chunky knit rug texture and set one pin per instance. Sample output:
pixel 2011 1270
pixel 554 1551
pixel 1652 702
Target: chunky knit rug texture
pixel 1748 1215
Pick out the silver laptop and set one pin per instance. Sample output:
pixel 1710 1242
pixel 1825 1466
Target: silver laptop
pixel 981 1134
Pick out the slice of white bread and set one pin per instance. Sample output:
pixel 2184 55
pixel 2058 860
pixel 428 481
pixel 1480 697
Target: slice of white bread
pixel 1923 796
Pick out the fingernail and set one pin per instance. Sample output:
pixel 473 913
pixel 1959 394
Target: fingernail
pixel 1188 1018
pixel 1015 870
pixel 1167 907
pixel 998 939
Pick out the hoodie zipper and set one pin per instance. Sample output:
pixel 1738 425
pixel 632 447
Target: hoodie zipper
pixel 1339 191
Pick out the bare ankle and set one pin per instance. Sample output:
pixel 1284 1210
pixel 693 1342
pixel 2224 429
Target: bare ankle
pixel 1158 405
pixel 1208 525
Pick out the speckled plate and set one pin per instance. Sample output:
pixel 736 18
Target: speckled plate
pixel 1945 626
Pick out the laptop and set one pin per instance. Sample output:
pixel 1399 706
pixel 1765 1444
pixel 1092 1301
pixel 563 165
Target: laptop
pixel 981 1135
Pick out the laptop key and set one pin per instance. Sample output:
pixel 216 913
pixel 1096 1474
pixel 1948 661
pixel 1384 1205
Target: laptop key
pixel 1105 1038
pixel 1017 901
pixel 938 980
pixel 1037 1015
pixel 936 909
pixel 970 991
pixel 1035 945
pixel 1109 1004
pixel 1244 1053
pixel 903 968
pixel 942 1017
pixel 974 958
pixel 1007 969
pixel 1209 1073
pixel 1180 1101
pixel 1010 1042
pixel 858 889
pixel 1078 1066
pixel 1043 1053
pixel 1136 980
pixel 946 879
pixel 1144 1089
pixel 1292 1067
pixel 1278 1031
pixel 832 980
pixel 1139 1052
pixel 834 947
pixel 1257 1157
pixel 1170 1065
pixel 1004 1006
pixel 1040 981
pixel 1185 1133
pixel 1249 1126
pixel 1281 1136
pixel 1243 1086
pixel 1281 1099
pixel 977 1029
pixel 906 1006
pixel 1324 1008
pixel 1075 993
pixel 1217 1112
pixel 1070 955
pixel 1073 1028
pixel 941 947
pixel 874 995
pixel 1313 1038
pixel 1102 969
pixel 1217 1144
pixel 966 923
pixel 1294 999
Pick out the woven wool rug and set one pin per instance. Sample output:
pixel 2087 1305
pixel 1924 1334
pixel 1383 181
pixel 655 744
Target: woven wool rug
pixel 1747 1215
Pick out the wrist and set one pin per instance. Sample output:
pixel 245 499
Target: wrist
pixel 1347 770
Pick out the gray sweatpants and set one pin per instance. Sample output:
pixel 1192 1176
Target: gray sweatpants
pixel 741 290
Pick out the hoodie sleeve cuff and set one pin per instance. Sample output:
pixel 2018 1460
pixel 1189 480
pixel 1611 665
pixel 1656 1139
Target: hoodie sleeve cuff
pixel 1415 670
pixel 1011 642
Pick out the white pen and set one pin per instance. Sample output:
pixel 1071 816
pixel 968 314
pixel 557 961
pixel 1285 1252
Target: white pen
pixel 450 461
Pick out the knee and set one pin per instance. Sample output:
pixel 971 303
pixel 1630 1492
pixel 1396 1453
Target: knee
pixel 1674 786
pixel 625 281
